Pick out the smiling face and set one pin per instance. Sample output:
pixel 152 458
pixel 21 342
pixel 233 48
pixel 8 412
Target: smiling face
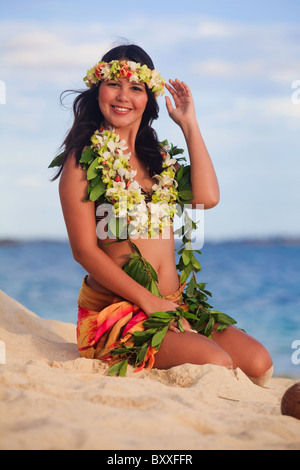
pixel 122 102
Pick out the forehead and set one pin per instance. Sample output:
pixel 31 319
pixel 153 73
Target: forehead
pixel 125 81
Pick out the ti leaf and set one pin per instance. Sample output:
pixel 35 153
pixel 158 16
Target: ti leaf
pixel 87 156
pixel 97 191
pixel 92 172
pixel 57 161
pixel 119 368
pixel 158 337
pixel 123 368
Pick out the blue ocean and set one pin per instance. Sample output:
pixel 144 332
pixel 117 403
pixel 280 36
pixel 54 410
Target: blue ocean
pixel 256 282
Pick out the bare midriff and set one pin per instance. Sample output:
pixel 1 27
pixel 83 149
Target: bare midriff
pixel 159 252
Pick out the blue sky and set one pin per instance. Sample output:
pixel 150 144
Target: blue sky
pixel 240 59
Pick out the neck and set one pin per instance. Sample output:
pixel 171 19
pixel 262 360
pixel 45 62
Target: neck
pixel 128 134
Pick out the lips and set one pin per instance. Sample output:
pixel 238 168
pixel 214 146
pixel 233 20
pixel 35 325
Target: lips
pixel 121 109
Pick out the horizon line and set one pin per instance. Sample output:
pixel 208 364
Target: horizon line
pixel 255 239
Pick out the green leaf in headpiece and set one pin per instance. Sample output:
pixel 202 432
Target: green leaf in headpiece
pixel 57 161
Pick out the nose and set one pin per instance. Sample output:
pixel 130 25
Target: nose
pixel 123 94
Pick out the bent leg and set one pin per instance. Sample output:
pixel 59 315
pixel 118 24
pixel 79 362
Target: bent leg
pixel 192 348
pixel 246 353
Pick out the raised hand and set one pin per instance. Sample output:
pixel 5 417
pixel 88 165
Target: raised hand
pixel 184 110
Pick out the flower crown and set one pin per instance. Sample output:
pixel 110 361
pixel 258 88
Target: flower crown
pixel 134 71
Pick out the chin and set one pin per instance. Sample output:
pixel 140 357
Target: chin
pixel 122 121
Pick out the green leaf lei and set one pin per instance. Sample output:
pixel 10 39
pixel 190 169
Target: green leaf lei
pixel 200 313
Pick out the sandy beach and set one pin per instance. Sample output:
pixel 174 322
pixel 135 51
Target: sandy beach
pixel 51 398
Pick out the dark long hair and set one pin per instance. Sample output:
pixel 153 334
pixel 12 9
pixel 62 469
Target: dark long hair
pixel 88 117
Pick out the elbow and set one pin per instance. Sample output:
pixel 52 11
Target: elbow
pixel 81 255
pixel 206 203
pixel 84 247
pixel 213 199
pixel 77 255
pixel 211 203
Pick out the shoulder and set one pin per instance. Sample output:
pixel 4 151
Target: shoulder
pixel 73 176
pixel 71 165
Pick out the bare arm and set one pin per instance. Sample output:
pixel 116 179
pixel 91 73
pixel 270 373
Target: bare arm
pixel 204 181
pixel 81 227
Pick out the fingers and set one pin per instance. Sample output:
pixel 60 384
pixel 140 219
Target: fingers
pixel 186 326
pixel 178 88
pixel 176 330
pixel 169 105
pixel 182 97
pixel 173 328
pixel 175 93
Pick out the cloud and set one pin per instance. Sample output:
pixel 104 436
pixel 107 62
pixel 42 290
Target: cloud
pixel 270 69
pixel 30 181
pixel 227 69
pixel 227 49
pixel 46 49
pixel 215 29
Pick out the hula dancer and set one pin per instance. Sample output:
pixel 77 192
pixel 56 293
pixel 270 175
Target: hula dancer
pixel 120 189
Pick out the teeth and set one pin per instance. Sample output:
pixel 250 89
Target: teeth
pixel 121 109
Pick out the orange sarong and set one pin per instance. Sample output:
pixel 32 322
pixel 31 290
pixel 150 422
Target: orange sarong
pixel 106 321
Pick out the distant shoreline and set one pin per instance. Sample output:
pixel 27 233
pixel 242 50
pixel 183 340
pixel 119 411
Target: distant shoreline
pixel 259 241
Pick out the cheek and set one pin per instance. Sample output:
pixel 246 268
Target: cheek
pixel 142 102
pixel 104 98
pixel 104 94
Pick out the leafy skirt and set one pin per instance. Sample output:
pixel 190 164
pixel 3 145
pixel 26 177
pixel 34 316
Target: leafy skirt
pixel 106 321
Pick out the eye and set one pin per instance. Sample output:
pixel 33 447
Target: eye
pixel 137 88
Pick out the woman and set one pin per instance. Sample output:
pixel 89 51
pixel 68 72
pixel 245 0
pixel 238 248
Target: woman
pixel 123 99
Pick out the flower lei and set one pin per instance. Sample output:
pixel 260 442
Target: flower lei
pixel 134 71
pixel 111 179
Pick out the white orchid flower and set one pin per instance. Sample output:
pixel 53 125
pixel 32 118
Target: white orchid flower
pixel 122 172
pixel 105 71
pixel 117 164
pixel 117 187
pixel 111 145
pixel 134 66
pixel 134 186
pixel 168 161
pixel 164 180
pixel 106 155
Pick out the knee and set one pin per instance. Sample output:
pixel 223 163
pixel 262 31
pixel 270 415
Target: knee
pixel 221 358
pixel 261 366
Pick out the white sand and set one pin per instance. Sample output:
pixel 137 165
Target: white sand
pixel 53 399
